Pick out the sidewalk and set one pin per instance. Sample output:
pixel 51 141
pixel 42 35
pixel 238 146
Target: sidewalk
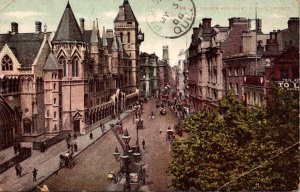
pixel 47 163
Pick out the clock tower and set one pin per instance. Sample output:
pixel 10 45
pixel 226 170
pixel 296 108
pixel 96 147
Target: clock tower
pixel 126 27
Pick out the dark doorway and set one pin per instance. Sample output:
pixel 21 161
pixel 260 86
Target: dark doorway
pixel 76 125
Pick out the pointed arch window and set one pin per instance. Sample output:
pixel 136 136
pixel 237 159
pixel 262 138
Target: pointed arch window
pixel 62 62
pixel 121 36
pixel 128 37
pixel 75 67
pixel 6 63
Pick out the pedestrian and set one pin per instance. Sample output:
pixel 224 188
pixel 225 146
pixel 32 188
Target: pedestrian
pixel 75 136
pixel 143 143
pixel 160 130
pixel 15 148
pixel 75 147
pixel 34 174
pixel 20 170
pixel 91 135
pixel 19 147
pixel 17 170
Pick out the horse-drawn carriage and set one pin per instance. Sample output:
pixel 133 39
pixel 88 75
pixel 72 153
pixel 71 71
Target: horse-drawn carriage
pixel 162 111
pixel 66 160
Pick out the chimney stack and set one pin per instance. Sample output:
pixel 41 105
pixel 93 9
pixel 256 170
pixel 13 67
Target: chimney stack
pixel 14 28
pixel 239 21
pixel 206 23
pixel 81 20
pixel 293 24
pixel 38 26
pixel 195 30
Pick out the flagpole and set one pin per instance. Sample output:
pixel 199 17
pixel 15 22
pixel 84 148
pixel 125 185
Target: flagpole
pixel 256 23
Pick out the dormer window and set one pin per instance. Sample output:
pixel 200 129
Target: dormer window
pixel 6 63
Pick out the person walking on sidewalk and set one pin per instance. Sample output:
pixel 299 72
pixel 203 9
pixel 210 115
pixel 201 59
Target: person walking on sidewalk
pixel 34 174
pixel 75 136
pixel 91 135
pixel 75 147
pixel 20 170
pixel 143 143
pixel 15 148
pixel 17 170
pixel 102 129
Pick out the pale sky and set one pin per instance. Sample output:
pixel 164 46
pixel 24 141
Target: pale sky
pixel 274 15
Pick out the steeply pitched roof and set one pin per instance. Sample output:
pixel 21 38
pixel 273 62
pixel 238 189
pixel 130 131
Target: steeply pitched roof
pixel 51 63
pixel 87 35
pixel 24 45
pixel 68 29
pixel 94 35
pixel 129 15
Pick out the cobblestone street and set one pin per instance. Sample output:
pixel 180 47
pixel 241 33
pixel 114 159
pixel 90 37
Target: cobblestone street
pixel 93 164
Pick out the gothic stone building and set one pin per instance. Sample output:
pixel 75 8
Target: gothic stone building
pixel 66 80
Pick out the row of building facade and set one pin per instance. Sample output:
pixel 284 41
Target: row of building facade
pixel 67 80
pixel 237 59
pixel 155 74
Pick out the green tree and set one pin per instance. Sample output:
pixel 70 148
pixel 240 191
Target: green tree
pixel 225 144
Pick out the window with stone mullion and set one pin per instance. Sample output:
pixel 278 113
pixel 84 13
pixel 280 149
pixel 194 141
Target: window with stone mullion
pixel 6 63
pixel 75 67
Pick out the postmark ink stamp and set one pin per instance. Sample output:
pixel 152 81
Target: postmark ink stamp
pixel 171 19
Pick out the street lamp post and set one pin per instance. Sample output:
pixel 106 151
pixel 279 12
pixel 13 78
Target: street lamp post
pixel 129 154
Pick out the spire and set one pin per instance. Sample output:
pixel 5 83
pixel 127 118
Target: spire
pixel 94 35
pixel 104 40
pixel 125 13
pixel 68 28
pixel 114 44
pixel 68 4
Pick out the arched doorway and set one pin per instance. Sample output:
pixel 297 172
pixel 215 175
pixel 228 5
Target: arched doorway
pixel 76 122
pixel 7 124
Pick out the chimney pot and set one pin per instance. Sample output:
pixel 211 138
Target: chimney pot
pixel 81 20
pixel 206 23
pixel 14 28
pixel 38 26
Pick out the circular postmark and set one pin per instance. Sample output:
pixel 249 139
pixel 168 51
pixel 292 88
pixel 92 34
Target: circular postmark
pixel 171 18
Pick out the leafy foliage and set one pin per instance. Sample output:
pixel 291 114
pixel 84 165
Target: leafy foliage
pixel 225 144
